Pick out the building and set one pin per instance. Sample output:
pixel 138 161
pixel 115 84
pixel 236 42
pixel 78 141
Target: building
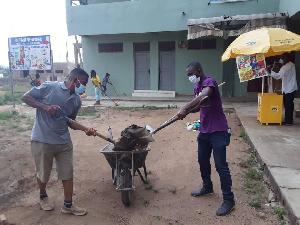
pixel 144 44
pixel 60 71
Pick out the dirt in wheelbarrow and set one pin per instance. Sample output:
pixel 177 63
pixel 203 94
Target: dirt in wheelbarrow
pixel 171 164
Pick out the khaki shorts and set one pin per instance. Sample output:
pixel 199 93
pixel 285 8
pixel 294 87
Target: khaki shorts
pixel 44 154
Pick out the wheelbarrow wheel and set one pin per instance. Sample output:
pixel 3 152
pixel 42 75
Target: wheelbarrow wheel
pixel 126 181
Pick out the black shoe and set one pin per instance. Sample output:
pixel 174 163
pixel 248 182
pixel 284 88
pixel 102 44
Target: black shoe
pixel 226 207
pixel 202 191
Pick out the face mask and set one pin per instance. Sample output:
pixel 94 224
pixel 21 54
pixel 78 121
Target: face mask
pixel 281 61
pixel 194 79
pixel 81 89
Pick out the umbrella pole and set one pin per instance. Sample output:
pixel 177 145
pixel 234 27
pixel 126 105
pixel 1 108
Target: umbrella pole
pixel 263 85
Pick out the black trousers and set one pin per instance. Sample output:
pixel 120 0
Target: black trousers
pixel 288 102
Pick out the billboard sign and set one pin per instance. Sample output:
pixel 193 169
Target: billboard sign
pixel 30 53
pixel 224 1
pixel 251 66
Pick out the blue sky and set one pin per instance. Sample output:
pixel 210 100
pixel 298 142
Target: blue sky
pixel 20 18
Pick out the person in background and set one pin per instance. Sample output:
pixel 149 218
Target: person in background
pixel 50 137
pixel 36 82
pixel 97 84
pixel 289 85
pixel 213 136
pixel 105 80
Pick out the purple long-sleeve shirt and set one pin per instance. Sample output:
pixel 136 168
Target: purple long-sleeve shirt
pixel 212 118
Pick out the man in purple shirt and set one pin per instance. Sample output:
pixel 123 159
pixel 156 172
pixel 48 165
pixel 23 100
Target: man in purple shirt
pixel 213 136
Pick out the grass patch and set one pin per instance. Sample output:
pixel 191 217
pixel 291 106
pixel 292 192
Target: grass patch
pixel 173 190
pixel 6 99
pixel 148 186
pixel 146 202
pixel 253 173
pixel 243 135
pixel 280 212
pixel 158 217
pixel 256 202
pixel 228 111
pixel 149 172
pixel 250 162
pixel 86 113
pixel 143 108
pixel 8 115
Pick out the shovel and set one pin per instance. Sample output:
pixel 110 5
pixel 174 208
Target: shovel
pixel 151 132
pixel 60 114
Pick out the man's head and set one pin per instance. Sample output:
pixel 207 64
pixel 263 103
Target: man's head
pixel 93 73
pixel 107 75
pixel 285 58
pixel 37 76
pixel 77 78
pixel 194 68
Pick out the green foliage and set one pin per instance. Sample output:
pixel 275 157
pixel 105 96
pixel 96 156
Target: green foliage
pixel 80 113
pixel 243 135
pixel 132 109
pixel 228 111
pixel 280 212
pixel 256 202
pixel 158 217
pixel 7 115
pixel 146 202
pixel 6 99
pixel 253 173
pixel 173 190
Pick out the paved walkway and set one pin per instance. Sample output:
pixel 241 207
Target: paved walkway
pixel 277 147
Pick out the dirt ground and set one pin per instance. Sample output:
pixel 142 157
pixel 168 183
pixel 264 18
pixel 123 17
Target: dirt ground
pixel 172 162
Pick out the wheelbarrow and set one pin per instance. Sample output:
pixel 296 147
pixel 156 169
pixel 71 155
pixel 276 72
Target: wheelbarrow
pixel 124 165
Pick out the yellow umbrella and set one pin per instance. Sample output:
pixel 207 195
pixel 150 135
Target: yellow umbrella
pixel 270 41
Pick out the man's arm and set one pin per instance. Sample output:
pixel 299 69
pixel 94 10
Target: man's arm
pixel 77 126
pixel 31 101
pixel 207 91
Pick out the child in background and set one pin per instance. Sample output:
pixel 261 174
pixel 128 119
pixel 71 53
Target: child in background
pixel 97 84
pixel 105 80
pixel 36 82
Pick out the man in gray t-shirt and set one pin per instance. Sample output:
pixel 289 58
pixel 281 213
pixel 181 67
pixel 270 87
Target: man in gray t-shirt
pixel 50 137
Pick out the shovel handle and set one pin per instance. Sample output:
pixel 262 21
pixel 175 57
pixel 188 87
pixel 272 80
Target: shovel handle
pixel 164 125
pixel 84 128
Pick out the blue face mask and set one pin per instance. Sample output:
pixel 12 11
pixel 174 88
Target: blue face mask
pixel 81 89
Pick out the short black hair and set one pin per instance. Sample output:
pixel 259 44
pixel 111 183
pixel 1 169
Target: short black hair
pixel 93 72
pixel 37 75
pixel 195 65
pixel 107 74
pixel 78 72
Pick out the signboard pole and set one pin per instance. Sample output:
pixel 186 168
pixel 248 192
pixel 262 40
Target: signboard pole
pixel 52 67
pixel 11 82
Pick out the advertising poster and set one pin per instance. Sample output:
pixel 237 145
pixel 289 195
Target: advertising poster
pixel 251 66
pixel 224 1
pixel 30 53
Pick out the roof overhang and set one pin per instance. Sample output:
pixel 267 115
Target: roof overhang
pixel 226 26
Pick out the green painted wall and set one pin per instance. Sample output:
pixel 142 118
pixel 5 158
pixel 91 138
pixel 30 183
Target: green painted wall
pixel 121 65
pixel 153 15
pixel 290 6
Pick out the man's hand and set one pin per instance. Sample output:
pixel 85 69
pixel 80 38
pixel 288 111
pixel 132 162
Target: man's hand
pixel 90 132
pixel 181 114
pixel 52 109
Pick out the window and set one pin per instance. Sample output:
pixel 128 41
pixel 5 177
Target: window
pixel 48 71
pixel 110 47
pixel 166 46
pixel 141 47
pixel 202 44
pixel 40 71
pixel 59 71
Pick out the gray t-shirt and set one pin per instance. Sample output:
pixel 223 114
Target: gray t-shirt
pixel 47 129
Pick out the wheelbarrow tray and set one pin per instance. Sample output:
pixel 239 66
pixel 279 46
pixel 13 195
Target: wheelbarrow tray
pixel 139 156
